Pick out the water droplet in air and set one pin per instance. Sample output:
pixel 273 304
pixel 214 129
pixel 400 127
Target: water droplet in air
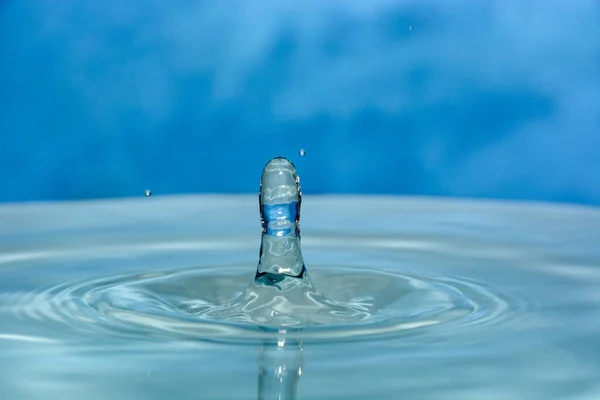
pixel 410 28
pixel 148 193
pixel 302 152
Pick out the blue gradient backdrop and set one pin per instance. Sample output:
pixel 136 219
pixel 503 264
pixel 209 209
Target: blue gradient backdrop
pixel 480 98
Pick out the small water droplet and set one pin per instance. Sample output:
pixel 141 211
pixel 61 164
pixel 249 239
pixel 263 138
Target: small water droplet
pixel 410 28
pixel 148 193
pixel 302 152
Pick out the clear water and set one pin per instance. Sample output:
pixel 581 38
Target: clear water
pixel 461 300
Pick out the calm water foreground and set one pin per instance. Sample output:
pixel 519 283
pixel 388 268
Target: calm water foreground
pixel 463 300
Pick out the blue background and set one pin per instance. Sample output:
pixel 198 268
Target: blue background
pixel 479 98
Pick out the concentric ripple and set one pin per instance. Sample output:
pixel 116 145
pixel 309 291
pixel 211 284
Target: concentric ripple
pixel 217 302
pixel 189 304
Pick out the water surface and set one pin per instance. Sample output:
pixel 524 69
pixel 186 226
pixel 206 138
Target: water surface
pixel 464 299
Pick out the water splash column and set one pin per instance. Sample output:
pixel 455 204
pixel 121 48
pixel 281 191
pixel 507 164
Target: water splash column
pixel 282 294
pixel 281 263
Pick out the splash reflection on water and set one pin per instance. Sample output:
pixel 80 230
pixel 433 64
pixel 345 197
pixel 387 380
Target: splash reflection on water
pixel 465 300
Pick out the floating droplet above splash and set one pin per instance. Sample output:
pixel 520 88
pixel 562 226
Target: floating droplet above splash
pixel 302 152
pixel 148 193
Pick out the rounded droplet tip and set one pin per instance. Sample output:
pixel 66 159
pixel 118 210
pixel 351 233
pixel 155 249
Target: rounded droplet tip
pixel 280 162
